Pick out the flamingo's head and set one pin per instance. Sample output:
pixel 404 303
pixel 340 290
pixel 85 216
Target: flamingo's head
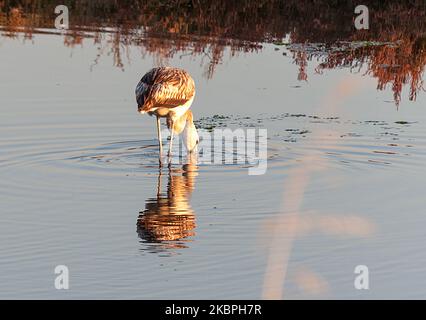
pixel 190 134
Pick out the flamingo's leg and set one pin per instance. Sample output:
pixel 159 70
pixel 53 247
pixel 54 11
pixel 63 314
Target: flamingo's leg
pixel 171 142
pixel 160 145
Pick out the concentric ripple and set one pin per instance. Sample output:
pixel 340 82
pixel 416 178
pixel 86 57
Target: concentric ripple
pixel 291 140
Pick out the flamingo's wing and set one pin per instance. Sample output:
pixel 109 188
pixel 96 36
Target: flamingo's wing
pixel 165 87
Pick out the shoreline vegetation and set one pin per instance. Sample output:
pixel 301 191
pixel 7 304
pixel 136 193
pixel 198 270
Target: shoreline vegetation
pixel 393 50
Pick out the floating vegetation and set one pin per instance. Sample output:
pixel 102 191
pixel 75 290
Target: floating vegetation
pixel 403 122
pixel 291 133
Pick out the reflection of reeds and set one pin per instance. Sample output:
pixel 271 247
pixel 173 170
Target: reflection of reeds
pixel 208 28
pixel 15 21
pixel 395 65
pixel 250 20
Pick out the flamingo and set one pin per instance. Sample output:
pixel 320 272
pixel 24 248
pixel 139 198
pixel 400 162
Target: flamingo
pixel 168 93
pixel 169 216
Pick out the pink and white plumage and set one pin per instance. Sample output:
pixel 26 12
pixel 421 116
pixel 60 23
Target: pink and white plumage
pixel 168 93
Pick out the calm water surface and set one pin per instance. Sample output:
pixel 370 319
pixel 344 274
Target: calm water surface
pixel 80 185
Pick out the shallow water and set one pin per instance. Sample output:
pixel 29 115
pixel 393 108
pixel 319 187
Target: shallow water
pixel 80 183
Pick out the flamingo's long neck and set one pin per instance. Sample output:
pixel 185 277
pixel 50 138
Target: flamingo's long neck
pixel 191 137
pixel 180 123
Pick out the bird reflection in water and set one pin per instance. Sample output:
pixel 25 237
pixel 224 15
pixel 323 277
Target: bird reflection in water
pixel 168 221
